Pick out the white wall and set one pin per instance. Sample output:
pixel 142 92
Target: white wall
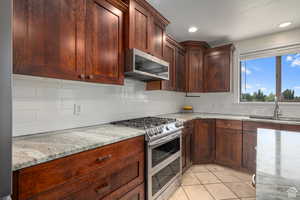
pixel 227 103
pixel 41 104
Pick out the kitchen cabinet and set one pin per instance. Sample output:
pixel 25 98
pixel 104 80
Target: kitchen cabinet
pixel 194 65
pixel 69 39
pixel 146 28
pixel 112 170
pixel 287 127
pixel 203 142
pixel 137 194
pixel 104 43
pixel 174 54
pixel 180 71
pixel 250 142
pixel 217 64
pixel 187 136
pixel 229 143
pixel 48 38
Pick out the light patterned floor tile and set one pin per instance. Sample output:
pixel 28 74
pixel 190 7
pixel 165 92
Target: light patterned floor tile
pixel 220 191
pixel 207 178
pixel 215 168
pixel 179 195
pixel 197 192
pixel 241 189
pixel 226 176
pixel 198 168
pixel 190 179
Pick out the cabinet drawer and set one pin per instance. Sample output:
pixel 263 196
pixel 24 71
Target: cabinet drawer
pixel 136 194
pixel 230 124
pixel 119 180
pixel 189 124
pixel 43 177
pixel 253 126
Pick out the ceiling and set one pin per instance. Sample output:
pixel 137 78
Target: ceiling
pixel 222 21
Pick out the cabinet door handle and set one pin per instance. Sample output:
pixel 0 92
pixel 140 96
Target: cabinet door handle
pixel 90 76
pixel 104 158
pixel 102 188
pixel 82 76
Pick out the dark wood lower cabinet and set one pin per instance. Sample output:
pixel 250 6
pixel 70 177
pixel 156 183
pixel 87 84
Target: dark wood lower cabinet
pixel 112 175
pixel 137 194
pixel 229 147
pixel 250 142
pixel 203 141
pixel 187 136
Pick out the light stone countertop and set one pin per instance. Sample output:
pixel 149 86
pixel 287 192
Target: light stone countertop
pixel 36 149
pixel 190 116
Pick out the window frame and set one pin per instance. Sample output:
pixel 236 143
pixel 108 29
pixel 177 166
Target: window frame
pixel 292 49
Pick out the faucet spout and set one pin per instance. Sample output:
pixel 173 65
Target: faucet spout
pixel 276 112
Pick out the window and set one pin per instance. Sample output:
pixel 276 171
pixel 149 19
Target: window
pixel 264 78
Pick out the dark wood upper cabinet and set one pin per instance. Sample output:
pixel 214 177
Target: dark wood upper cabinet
pixel 145 28
pixel 69 39
pixel 170 57
pixel 157 38
pixel 49 38
pixel 194 65
pixel 180 71
pixel 204 141
pixel 104 43
pixel 174 54
pixel 217 62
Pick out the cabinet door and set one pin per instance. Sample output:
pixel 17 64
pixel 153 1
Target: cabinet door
pixel 203 148
pixel 180 72
pixel 49 38
pixel 188 144
pixel 137 194
pixel 157 38
pixel 229 147
pixel 249 150
pixel 195 70
pixel 139 27
pixel 170 57
pixel 217 69
pixel 104 43
pixel 183 149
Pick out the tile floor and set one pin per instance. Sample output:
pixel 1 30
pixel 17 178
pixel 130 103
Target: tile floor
pixel 214 182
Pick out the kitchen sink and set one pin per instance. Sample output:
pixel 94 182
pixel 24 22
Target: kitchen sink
pixel 272 118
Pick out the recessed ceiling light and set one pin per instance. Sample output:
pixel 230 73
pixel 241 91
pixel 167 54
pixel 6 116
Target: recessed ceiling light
pixel 193 29
pixel 285 24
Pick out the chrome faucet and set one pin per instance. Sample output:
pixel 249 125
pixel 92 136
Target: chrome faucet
pixel 276 112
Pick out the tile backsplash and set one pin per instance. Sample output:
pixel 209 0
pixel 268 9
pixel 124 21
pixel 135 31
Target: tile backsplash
pixel 42 104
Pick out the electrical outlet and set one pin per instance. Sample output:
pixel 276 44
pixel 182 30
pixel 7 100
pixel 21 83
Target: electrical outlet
pixel 77 109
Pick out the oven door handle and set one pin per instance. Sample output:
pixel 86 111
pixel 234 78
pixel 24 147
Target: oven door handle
pixel 165 139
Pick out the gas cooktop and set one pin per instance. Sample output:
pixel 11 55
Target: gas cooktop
pixel 155 127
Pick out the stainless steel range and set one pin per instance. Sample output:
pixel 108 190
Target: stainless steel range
pixel 163 147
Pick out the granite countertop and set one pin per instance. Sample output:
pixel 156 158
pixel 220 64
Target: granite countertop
pixel 278 165
pixel 190 116
pixel 35 149
pixel 40 148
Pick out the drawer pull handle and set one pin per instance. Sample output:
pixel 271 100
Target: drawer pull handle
pixel 104 158
pixel 102 188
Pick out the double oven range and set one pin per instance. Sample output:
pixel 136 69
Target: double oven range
pixel 163 151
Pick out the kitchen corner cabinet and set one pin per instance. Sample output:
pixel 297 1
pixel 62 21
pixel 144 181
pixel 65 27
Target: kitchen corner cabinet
pixel 69 39
pixel 229 143
pixel 217 62
pixel 203 141
pixel 114 171
pixel 146 28
pixel 194 65
pixel 187 136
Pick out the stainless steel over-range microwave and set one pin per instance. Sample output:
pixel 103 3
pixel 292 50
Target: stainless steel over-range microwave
pixel 145 67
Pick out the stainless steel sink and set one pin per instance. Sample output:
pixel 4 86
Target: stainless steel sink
pixel 272 118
